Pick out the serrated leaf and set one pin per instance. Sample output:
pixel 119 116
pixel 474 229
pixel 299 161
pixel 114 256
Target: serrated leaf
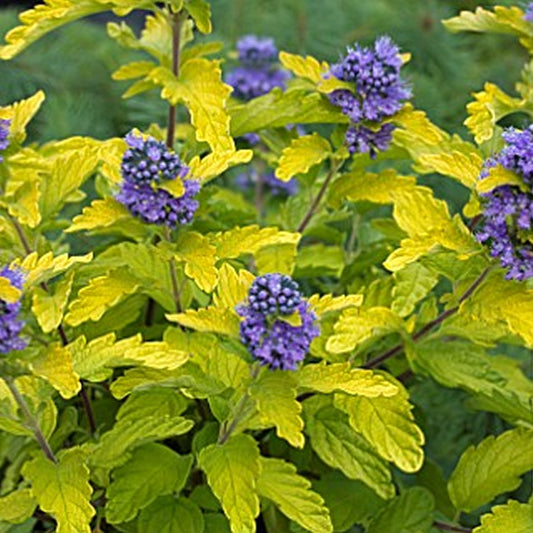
pixel 200 11
pixel 341 377
pixel 56 366
pixel 200 87
pixel 9 293
pixel 337 444
pixel 152 471
pixel 303 153
pixel 388 424
pixel 171 515
pixel 49 308
pixel 329 303
pixel 497 177
pixel 17 506
pixel 304 67
pixel 485 471
pixel 513 516
pixel 214 164
pixel 320 260
pixel 412 284
pixel 23 201
pixel 232 288
pixel 280 483
pixel 63 489
pixel 274 394
pixel 411 512
pixel 99 295
pixel 127 434
pixel 232 470
pixel 280 257
pixel 132 70
pixel 20 113
pixel 357 325
pixel 208 319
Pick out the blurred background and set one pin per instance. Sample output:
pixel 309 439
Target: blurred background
pixel 73 65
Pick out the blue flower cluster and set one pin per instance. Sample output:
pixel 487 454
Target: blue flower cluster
pixel 257 73
pixel 4 132
pixel 276 186
pixel 507 224
pixel 272 341
pixel 10 325
pixel 145 165
pixel 378 93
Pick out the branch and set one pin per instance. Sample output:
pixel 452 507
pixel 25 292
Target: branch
pixel 176 34
pixel 443 526
pixel 422 332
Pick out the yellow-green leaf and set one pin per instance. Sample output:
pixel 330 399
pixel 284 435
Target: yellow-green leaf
pixel 214 164
pixel 304 67
pixel 412 284
pixel 207 319
pixel 497 177
pixel 17 506
pixel 200 11
pixel 20 113
pixel 328 303
pixel 63 489
pixel 513 516
pixel 303 153
pixel 232 470
pixel 232 288
pixel 280 483
pixel 8 292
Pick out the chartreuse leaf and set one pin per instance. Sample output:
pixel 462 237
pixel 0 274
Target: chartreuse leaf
pixel 274 394
pixel 232 288
pixel 200 12
pixel 304 67
pixel 63 489
pixel 412 284
pixel 172 515
pixel 279 257
pixel 152 471
pixel 498 176
pixel 232 471
pixel 388 424
pixel 303 153
pixel 328 303
pixel 513 516
pixel 356 325
pixel 201 89
pixel 484 471
pixel 339 446
pixel 208 319
pixel 17 506
pixel 200 259
pixel 8 292
pixel 99 295
pixel 411 512
pixel 280 483
pixel 215 163
pixel 56 366
pixel 340 377
pixel 22 196
pixel 49 308
pixel 20 113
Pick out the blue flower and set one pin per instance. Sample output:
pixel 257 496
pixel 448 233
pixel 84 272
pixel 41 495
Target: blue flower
pixel 507 220
pixel 529 12
pixel 145 166
pixel 272 341
pixel 275 186
pixel 255 51
pixel 361 139
pixel 4 132
pixel 10 324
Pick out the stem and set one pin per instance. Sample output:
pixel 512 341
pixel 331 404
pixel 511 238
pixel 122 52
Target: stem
pixel 31 420
pixel 176 291
pixel 422 332
pixel 443 526
pixel 176 34
pixel 316 202
pixel 20 233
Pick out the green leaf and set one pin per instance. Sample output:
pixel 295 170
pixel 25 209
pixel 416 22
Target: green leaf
pixel 337 444
pixel 63 489
pixel 341 377
pixel 411 512
pixel 17 506
pixel 200 11
pixel 201 89
pixel 152 471
pixel 485 471
pixel 171 515
pixel 320 260
pixel 412 284
pixel 388 424
pixel 303 153
pixel 102 293
pixel 304 67
pixel 274 394
pixel 232 470
pixel 513 516
pixel 292 493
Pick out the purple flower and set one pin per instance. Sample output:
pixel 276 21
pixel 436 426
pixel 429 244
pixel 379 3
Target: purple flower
pixel 10 325
pixel 4 132
pixel 250 82
pixel 378 91
pixel 277 187
pixel 507 222
pixel 145 166
pixel 255 51
pixel 271 340
pixel 529 12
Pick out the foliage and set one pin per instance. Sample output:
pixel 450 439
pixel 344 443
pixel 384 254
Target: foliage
pixel 280 362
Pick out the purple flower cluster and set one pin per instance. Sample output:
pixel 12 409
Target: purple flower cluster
pixel 272 341
pixel 529 12
pixel 146 165
pixel 507 225
pixel 4 132
pixel 258 73
pixel 276 186
pixel 10 325
pixel 378 93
